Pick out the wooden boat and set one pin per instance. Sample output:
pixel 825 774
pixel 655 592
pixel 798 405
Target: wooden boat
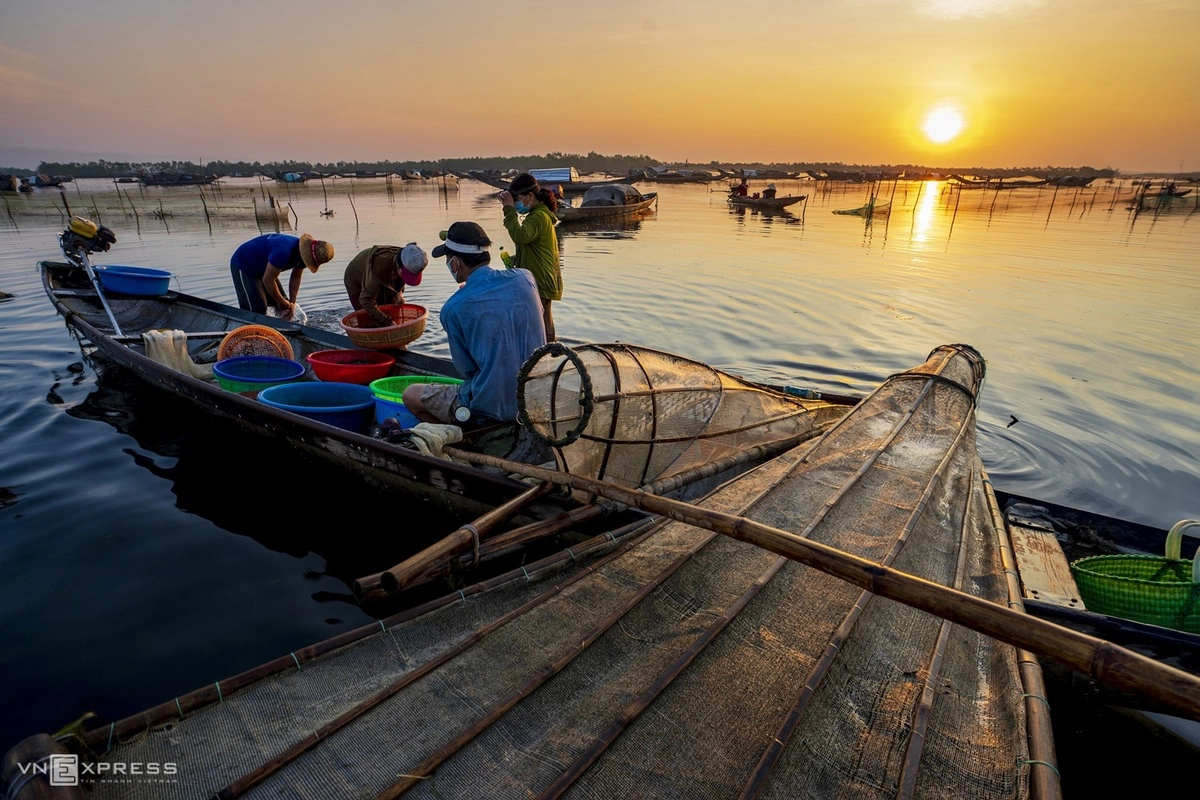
pixel 679 176
pixel 1046 538
pixel 871 209
pixel 588 213
pixel 846 617
pixel 995 184
pixel 1071 181
pixel 112 326
pixel 567 180
pixel 177 179
pixel 456 489
pixel 767 202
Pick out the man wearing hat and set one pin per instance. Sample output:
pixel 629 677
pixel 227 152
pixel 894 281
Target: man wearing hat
pixel 257 264
pixel 492 323
pixel 377 276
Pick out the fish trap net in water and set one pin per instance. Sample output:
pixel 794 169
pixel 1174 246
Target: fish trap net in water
pixel 636 416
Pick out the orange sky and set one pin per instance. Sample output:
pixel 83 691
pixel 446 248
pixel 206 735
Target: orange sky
pixel 1100 83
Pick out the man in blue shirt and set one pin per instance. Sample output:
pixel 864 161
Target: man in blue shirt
pixel 257 264
pixel 493 323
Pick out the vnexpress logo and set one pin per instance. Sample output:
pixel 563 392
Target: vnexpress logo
pixel 64 770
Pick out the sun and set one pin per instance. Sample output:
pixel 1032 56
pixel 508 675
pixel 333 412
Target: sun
pixel 943 124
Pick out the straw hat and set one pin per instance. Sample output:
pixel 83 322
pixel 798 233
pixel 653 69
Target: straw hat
pixel 314 252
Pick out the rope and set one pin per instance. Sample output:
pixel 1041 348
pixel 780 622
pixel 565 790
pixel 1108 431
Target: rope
pixel 475 537
pixel 1032 761
pixel 293 655
pixel 178 706
pixel 1028 696
pixel 220 699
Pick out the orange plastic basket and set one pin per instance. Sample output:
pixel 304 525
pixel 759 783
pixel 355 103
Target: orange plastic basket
pixel 410 324
pixel 255 340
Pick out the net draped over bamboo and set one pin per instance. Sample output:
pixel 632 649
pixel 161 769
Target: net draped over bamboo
pixel 632 415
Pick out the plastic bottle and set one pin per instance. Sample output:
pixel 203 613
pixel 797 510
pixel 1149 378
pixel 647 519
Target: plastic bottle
pixel 506 258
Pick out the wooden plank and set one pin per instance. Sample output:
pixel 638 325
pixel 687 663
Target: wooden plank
pixel 1045 572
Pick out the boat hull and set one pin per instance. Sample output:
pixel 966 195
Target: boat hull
pixel 567 213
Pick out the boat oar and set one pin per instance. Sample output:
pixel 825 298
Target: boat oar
pixel 403 574
pixel 1107 663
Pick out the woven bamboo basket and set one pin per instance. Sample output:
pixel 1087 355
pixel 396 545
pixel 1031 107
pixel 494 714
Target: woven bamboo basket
pixel 410 324
pixel 1160 590
pixel 255 340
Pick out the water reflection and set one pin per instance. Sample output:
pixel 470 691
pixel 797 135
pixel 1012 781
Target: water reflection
pixel 253 486
pixel 612 228
pixel 768 216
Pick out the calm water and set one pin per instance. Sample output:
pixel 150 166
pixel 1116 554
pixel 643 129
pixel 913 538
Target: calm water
pixel 130 571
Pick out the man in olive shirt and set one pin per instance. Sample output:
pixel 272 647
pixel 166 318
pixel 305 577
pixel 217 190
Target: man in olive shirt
pixel 377 276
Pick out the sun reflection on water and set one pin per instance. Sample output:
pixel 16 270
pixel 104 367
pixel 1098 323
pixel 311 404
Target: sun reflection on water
pixel 925 211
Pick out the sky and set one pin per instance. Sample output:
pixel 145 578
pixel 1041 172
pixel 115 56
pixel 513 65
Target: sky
pixel 1099 83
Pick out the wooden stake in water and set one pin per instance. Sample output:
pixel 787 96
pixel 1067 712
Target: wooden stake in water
pixel 207 218
pixel 352 208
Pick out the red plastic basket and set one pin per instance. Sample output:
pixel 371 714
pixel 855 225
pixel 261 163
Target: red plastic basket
pixel 350 366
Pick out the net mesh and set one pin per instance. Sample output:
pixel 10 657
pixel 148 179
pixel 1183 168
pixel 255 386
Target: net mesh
pixel 631 415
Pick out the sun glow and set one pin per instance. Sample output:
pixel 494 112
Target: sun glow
pixel 943 124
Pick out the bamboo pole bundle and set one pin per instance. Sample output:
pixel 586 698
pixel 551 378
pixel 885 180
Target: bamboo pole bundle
pixel 406 572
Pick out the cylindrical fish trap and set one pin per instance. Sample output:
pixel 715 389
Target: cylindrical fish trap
pixel 632 416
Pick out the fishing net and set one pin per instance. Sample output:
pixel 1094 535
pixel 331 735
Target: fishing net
pixel 631 415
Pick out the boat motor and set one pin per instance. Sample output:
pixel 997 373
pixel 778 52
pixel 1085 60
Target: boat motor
pixel 83 236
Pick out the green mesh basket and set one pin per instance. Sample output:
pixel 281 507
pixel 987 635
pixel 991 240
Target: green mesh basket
pixel 1160 590
pixel 1143 588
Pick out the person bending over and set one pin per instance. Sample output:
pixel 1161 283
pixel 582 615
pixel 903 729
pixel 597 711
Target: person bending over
pixel 257 264
pixel 377 276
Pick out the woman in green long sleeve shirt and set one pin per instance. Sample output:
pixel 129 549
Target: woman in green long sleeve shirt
pixel 534 236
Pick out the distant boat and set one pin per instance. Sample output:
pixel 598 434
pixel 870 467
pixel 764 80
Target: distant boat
pixel 176 179
pixel 1073 181
pixel 767 202
pixel 995 184
pixel 679 176
pixel 607 202
pixel 566 179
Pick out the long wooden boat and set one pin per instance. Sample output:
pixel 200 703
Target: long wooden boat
pixel 844 620
pixel 767 202
pixel 177 179
pixel 588 213
pixel 569 188
pixel 458 489
pixel 995 184
pixel 677 176
pixel 455 488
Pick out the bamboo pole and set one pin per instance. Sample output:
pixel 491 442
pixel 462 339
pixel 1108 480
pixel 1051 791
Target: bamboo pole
pixel 403 575
pixel 1108 664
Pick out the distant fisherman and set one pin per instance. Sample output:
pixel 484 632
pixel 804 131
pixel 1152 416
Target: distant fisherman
pixel 257 264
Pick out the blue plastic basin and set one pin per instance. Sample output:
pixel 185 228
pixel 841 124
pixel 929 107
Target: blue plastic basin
pixel 343 405
pixel 140 281
pixel 254 373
